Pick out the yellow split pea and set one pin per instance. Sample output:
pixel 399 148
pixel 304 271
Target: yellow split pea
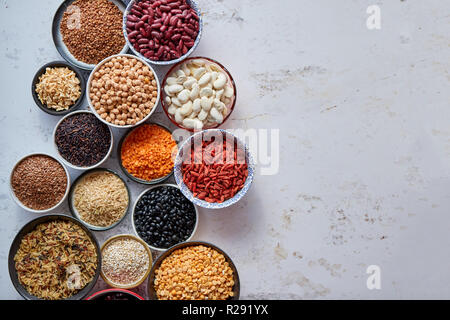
pixel 194 273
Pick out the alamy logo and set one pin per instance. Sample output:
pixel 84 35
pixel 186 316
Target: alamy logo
pixel 374 279
pixel 373 21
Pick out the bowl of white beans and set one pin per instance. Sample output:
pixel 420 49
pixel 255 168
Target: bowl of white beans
pixel 198 93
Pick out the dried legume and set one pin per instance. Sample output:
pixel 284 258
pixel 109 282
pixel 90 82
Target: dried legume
pixel 100 198
pixel 39 182
pixel 92 30
pixel 194 273
pixel 124 261
pixel 82 139
pixel 163 217
pixel 123 90
pixel 198 94
pixel 162 30
pixel 147 152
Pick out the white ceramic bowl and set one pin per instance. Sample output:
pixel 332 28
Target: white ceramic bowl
pixel 19 203
pixel 88 89
pixel 178 174
pixel 134 208
pixel 72 165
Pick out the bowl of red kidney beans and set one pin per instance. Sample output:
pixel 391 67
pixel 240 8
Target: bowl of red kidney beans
pixel 162 32
pixel 214 169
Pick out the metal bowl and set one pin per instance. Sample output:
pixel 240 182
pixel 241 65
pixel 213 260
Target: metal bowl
pixel 30 226
pixel 229 107
pixel 134 209
pixel 193 5
pixel 137 283
pixel 129 175
pixel 59 43
pixel 151 290
pixel 19 203
pixel 88 89
pixel 74 211
pixel 66 161
pixel 41 71
pixel 178 174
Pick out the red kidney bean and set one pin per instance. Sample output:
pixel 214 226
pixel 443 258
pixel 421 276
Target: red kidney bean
pixel 132 18
pixel 162 29
pixel 139 25
pixel 133 34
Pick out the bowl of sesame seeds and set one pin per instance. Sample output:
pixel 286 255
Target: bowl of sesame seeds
pixel 126 261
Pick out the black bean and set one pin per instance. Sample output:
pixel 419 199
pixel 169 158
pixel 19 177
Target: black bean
pixel 164 217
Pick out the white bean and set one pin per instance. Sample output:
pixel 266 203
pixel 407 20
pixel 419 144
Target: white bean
pixel 171 80
pixel 214 75
pixel 206 92
pixel 199 72
pixel 189 82
pixel 168 100
pixel 198 62
pixel 218 117
pixel 178 116
pixel 180 73
pixel 202 115
pixel 219 94
pixel 183 96
pixel 186 108
pixel 175 88
pixel 185 69
pixel 220 82
pixel 176 102
pixel 229 92
pixel 192 123
pixel 172 109
pixel 204 79
pixel 196 105
pixel 206 103
pixel 194 91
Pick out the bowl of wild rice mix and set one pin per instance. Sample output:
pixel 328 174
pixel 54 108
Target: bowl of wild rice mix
pixel 126 261
pixel 58 88
pixel 194 270
pixel 54 257
pixel 99 198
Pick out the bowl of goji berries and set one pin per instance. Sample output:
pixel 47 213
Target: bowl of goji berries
pixel 214 168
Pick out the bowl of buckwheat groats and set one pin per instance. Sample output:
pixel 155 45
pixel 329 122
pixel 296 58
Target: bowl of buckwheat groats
pixel 194 270
pixel 123 91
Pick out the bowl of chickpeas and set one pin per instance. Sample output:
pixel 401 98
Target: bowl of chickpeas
pixel 123 91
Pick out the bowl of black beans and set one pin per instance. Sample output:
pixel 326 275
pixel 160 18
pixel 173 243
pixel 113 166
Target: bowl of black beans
pixel 115 294
pixel 163 216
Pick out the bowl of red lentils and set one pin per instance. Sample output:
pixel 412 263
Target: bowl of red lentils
pixel 146 153
pixel 123 91
pixel 126 261
pixel 39 182
pixel 214 169
pixel 194 270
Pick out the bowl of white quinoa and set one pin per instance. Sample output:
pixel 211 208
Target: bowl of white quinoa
pixel 126 261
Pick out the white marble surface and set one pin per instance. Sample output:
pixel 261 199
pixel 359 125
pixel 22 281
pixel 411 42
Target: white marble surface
pixel 364 123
